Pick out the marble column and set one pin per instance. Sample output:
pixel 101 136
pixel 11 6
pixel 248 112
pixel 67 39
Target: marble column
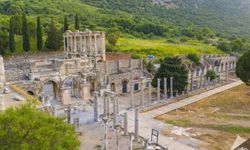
pixel 201 80
pixel 125 126
pixel 85 44
pixel 117 102
pixel 165 86
pixel 171 87
pixel 136 124
pixel 96 110
pixel 90 44
pixel 105 113
pixel 209 81
pixel 81 45
pixel 150 91
pixel 114 111
pixel 227 73
pixel 192 81
pixel 95 46
pixel 108 105
pixel 158 89
pixel 142 92
pixel 132 95
pixel 75 44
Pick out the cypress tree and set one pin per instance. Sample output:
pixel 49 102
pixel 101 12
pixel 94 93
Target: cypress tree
pixel 55 38
pixel 11 36
pixel 25 32
pixel 39 35
pixel 77 23
pixel 66 26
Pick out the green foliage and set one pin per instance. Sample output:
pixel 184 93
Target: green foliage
pixel 113 36
pixel 11 35
pixel 150 67
pixel 39 34
pixel 28 128
pixel 66 25
pixel 25 33
pixel 172 67
pixel 54 40
pixel 77 22
pixel 243 68
pixel 3 41
pixel 211 74
pixel 194 57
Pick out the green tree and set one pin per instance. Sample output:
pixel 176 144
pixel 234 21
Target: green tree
pixel 11 36
pixel 39 34
pixel 4 42
pixel 150 67
pixel 25 33
pixel 172 67
pixel 66 25
pixel 27 128
pixel 194 57
pixel 243 68
pixel 55 38
pixel 113 35
pixel 211 74
pixel 77 22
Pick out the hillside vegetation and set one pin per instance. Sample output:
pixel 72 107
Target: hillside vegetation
pixel 202 26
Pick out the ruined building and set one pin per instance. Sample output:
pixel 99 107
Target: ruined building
pixel 81 70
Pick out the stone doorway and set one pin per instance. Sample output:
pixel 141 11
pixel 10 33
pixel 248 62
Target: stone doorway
pixel 51 91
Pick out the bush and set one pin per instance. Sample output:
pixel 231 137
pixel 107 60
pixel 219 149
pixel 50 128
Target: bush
pixel 194 57
pixel 211 74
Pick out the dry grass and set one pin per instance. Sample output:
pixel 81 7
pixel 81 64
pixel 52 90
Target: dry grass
pixel 218 118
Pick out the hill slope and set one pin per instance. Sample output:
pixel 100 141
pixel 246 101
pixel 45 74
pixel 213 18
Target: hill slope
pixel 141 18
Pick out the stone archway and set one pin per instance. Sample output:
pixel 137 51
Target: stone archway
pixel 73 84
pixel 50 89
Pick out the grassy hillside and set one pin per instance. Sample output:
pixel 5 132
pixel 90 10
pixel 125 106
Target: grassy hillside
pixel 161 48
pixel 142 20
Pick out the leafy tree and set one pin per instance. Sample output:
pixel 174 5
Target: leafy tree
pixel 243 68
pixel 4 42
pixel 25 33
pixel 28 128
pixel 172 67
pixel 39 35
pixel 194 57
pixel 11 36
pixel 225 46
pixel 77 22
pixel 211 74
pixel 66 25
pixel 150 67
pixel 55 38
pixel 113 36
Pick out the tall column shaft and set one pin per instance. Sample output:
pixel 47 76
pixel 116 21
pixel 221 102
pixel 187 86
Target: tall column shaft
pixel 136 124
pixel 150 92
pixel 114 111
pixel 158 89
pixel 125 126
pixel 132 95
pixel 142 93
pixel 105 113
pixel 96 110
pixel 165 86
pixel 171 87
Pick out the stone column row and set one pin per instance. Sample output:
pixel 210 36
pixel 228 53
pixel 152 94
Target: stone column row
pixel 71 43
pixel 165 88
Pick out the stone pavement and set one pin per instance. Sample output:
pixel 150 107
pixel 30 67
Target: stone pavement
pixel 147 121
